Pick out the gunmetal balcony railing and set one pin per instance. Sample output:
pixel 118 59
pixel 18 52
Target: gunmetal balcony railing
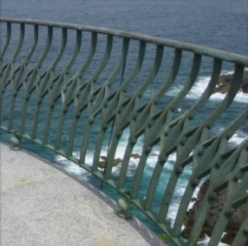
pixel 71 87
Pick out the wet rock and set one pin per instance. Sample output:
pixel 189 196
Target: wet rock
pixel 135 156
pixel 225 81
pixel 233 225
pixel 102 164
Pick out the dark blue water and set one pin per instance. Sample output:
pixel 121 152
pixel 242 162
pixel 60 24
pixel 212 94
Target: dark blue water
pixel 219 24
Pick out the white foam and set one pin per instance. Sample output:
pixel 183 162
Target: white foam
pixel 71 167
pixel 172 212
pixel 148 93
pixel 200 86
pixel 206 241
pixel 238 138
pixel 132 165
pixel 74 169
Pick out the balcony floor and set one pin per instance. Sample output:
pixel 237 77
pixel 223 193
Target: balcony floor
pixel 42 205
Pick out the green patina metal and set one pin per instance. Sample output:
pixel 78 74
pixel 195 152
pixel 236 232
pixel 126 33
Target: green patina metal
pixel 210 157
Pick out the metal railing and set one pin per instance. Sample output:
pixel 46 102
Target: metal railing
pixel 32 85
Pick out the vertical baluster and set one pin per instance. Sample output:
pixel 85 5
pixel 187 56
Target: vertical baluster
pixel 93 78
pixel 133 104
pixel 28 84
pixel 215 75
pixel 6 45
pixel 128 151
pixel 16 82
pixel 106 110
pixel 139 172
pixel 235 199
pixel 41 82
pixel 241 237
pixel 82 91
pixel 67 97
pixel 4 82
pixel 52 89
pixel 217 147
pixel 220 175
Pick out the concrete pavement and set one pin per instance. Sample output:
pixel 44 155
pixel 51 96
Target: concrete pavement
pixel 42 205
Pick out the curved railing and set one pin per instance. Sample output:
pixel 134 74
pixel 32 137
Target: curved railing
pixel 72 87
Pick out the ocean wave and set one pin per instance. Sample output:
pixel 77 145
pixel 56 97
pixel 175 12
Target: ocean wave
pixel 74 169
pixel 71 167
pixel 132 165
pixel 199 87
pixel 237 138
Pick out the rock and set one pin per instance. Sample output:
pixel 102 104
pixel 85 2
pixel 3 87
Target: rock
pixel 102 164
pixel 233 225
pixel 135 156
pixel 103 157
pixel 203 190
pixel 224 83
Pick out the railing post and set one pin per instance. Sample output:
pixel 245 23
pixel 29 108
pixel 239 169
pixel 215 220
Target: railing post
pixel 15 142
pixel 124 206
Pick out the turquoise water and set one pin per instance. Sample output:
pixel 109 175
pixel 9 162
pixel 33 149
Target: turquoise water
pixel 218 24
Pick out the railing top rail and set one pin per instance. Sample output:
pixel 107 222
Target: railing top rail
pixel 219 54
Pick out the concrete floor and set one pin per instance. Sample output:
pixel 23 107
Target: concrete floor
pixel 42 205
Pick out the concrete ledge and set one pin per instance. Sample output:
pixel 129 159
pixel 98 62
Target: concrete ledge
pixel 43 205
